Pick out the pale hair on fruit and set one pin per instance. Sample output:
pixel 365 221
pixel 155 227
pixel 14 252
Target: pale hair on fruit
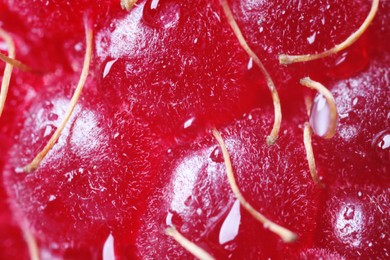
pixel 273 136
pixel 285 234
pixel 289 59
pixel 7 70
pixel 73 102
pixel 191 247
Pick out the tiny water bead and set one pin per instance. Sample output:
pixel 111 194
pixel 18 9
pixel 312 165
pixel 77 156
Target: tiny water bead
pixel 381 145
pixel 216 155
pixel 161 13
pixel 108 248
pixel 191 128
pixel 108 66
pixel 52 116
pixel 320 116
pixel 231 224
pixel 48 130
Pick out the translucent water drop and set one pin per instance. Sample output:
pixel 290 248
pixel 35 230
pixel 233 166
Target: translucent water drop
pixel 250 64
pixel 216 155
pixel 230 226
pixel 261 29
pixel 190 129
pixel 52 197
pixel 52 117
pixel 320 115
pixel 48 131
pixel 3 46
pixel 312 38
pixel 108 248
pixel 381 145
pixel 168 220
pixel 48 105
pixel 189 122
pixel 341 58
pixel 358 102
pixel 78 46
pixel 161 13
pixel 107 67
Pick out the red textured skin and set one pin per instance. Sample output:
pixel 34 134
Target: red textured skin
pixel 185 57
pixel 137 101
pixel 56 18
pixel 356 197
pixel 83 186
pixel 363 107
pixel 276 183
pixel 284 27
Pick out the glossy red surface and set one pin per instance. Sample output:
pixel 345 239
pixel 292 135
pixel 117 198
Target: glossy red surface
pixel 138 153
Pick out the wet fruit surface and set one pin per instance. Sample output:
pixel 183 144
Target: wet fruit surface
pixel 199 202
pixel 138 156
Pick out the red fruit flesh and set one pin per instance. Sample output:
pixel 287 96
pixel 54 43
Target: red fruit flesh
pixel 287 27
pixel 180 81
pixel 363 106
pixel 355 221
pixel 56 18
pixel 89 183
pixel 356 199
pixel 137 153
pixel 198 198
pixel 12 244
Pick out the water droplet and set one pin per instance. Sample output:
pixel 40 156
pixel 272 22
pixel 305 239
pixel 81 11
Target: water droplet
pixel 168 220
pixel 341 58
pixel 250 64
pixel 108 248
pixel 320 115
pixel 48 105
pixel 48 131
pixel 52 197
pixel 381 145
pixel 189 122
pixel 190 129
pixel 19 170
pixel 161 13
pixel 216 155
pixel 78 46
pixel 360 194
pixel 3 46
pixel 354 101
pixel 312 38
pixel 230 226
pixel 52 116
pixel 107 67
pixel 359 102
